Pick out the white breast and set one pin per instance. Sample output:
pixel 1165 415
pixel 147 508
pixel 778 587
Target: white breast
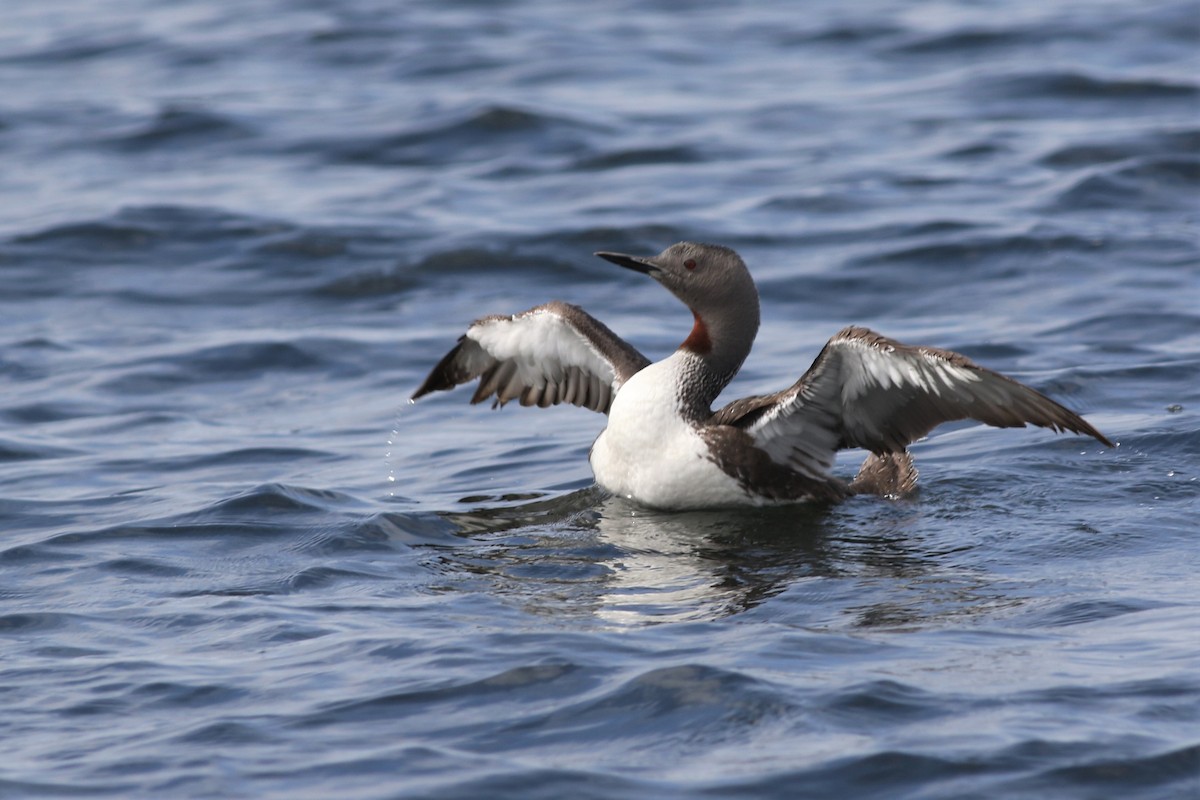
pixel 651 455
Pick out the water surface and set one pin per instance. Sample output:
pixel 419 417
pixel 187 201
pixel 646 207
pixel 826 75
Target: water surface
pixel 236 563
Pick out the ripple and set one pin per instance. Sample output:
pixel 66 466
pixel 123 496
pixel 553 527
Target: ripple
pixel 14 450
pixel 1181 142
pixel 1157 326
pixel 970 40
pixel 225 733
pixel 840 33
pixel 176 695
pixel 819 201
pixel 269 511
pixel 46 411
pixel 220 363
pixel 978 151
pixel 406 529
pixel 76 48
pixel 450 265
pixel 690 701
pixel 137 226
pixel 374 283
pixel 640 156
pixel 460 261
pixel 1079 86
pixel 1174 769
pixel 1153 184
pixel 231 359
pixel 547 680
pixel 979 250
pixel 635 238
pixel 491 131
pixel 178 126
pixel 885 774
pixel 67 789
pixel 40 622
pixel 142 567
pixel 1084 611
pixel 276 497
pixel 888 702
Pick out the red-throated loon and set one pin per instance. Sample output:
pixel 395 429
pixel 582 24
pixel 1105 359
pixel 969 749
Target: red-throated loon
pixel 665 447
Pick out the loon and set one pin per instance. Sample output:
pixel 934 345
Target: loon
pixel 664 447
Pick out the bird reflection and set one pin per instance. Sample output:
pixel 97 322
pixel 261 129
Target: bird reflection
pixel 586 554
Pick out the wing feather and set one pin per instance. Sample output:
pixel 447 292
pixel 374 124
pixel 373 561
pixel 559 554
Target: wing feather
pixel 865 390
pixel 553 353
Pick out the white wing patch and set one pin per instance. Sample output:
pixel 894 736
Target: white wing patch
pixel 551 354
pixel 542 344
pixel 868 367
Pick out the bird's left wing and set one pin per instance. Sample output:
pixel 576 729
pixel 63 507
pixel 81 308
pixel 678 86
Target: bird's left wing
pixel 550 354
pixel 865 390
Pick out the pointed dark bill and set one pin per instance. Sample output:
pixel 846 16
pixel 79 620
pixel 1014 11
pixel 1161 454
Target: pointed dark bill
pixel 635 263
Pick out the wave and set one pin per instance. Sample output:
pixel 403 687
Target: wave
pixel 179 127
pixel 137 227
pixel 1081 86
pixel 968 40
pixel 980 251
pixel 465 136
pixel 1151 145
pixel 1155 184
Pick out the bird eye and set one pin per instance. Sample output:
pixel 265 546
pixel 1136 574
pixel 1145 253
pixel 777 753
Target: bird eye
pixel 690 263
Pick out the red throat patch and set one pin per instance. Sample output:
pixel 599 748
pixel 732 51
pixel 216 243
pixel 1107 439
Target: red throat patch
pixel 698 341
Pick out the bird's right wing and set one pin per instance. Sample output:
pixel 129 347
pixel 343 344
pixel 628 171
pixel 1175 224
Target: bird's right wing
pixel 554 353
pixel 865 390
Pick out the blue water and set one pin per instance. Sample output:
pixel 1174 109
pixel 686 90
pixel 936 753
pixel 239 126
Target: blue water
pixel 235 562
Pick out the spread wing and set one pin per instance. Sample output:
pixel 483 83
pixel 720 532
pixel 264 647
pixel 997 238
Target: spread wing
pixel 554 353
pixel 865 390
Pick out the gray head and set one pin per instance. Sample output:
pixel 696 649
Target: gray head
pixel 714 283
pixel 710 279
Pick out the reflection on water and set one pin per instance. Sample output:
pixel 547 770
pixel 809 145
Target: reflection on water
pixel 588 555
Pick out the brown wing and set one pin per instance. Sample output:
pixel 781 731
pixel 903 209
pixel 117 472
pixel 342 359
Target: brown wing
pixel 865 390
pixel 554 353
